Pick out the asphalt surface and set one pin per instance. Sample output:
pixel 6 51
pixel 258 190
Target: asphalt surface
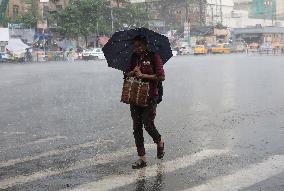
pixel 62 127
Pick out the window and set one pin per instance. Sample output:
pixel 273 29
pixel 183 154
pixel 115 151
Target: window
pixel 45 11
pixel 15 11
pixel 59 7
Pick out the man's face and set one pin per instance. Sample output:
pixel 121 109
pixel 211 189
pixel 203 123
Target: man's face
pixel 139 47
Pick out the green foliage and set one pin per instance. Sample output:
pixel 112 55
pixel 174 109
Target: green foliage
pixel 5 21
pixel 31 17
pixel 219 25
pixel 130 16
pixel 87 17
pixel 80 18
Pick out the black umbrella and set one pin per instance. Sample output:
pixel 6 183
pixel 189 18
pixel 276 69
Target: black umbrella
pixel 119 49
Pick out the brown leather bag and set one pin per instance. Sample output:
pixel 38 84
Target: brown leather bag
pixel 135 91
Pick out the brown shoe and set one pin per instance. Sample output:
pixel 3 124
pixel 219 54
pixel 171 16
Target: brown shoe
pixel 160 151
pixel 139 164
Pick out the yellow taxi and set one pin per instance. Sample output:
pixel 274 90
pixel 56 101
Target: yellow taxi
pixel 222 49
pixel 200 49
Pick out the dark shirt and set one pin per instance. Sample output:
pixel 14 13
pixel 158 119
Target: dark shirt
pixel 151 64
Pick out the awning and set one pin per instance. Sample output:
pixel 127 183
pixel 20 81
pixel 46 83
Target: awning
pixel 16 46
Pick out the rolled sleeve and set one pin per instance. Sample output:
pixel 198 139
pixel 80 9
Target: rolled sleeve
pixel 159 65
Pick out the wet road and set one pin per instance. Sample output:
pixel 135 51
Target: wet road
pixel 62 127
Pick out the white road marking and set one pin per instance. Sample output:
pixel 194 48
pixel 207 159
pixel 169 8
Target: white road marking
pixel 44 140
pixel 14 133
pixel 49 153
pixel 113 182
pixel 39 141
pixel 100 159
pixel 245 177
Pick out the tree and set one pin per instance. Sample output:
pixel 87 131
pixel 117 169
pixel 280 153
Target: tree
pixel 31 17
pixel 88 17
pixel 81 18
pixel 131 15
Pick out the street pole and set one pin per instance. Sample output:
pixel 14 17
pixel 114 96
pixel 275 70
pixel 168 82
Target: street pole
pixel 112 24
pixel 186 10
pixel 269 4
pixel 187 22
pixel 221 12
pixel 212 15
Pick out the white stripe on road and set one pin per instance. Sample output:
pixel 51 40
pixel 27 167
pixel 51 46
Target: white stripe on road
pixel 47 139
pixel 47 154
pixel 244 177
pixel 39 141
pixel 14 133
pixel 100 159
pixel 113 182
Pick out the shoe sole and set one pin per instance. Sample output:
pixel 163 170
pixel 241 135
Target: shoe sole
pixel 142 166
pixel 162 156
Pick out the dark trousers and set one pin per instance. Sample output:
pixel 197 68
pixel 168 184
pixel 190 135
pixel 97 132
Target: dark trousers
pixel 144 116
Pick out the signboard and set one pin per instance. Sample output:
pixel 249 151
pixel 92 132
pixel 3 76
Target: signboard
pixel 4 34
pixel 42 24
pixel 44 1
pixel 263 8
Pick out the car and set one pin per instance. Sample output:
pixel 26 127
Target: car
pixel 93 54
pixel 184 50
pixel 238 48
pixel 223 48
pixel 200 49
pixel 174 52
pixel 4 57
pixel 265 48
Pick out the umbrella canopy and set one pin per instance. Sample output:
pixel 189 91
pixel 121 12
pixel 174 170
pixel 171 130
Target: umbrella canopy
pixel 119 49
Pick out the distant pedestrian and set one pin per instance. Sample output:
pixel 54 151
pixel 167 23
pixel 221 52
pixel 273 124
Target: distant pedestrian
pixel 274 51
pixel 71 55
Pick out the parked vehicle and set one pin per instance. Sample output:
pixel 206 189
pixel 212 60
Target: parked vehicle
pixel 4 57
pixel 238 48
pixel 184 50
pixel 174 52
pixel 200 49
pixel 223 48
pixel 265 48
pixel 93 54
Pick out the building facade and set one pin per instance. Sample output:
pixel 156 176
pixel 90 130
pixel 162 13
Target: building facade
pixel 18 8
pixel 219 12
pixel 279 9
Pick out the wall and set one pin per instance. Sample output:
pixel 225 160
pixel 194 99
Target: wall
pixel 23 7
